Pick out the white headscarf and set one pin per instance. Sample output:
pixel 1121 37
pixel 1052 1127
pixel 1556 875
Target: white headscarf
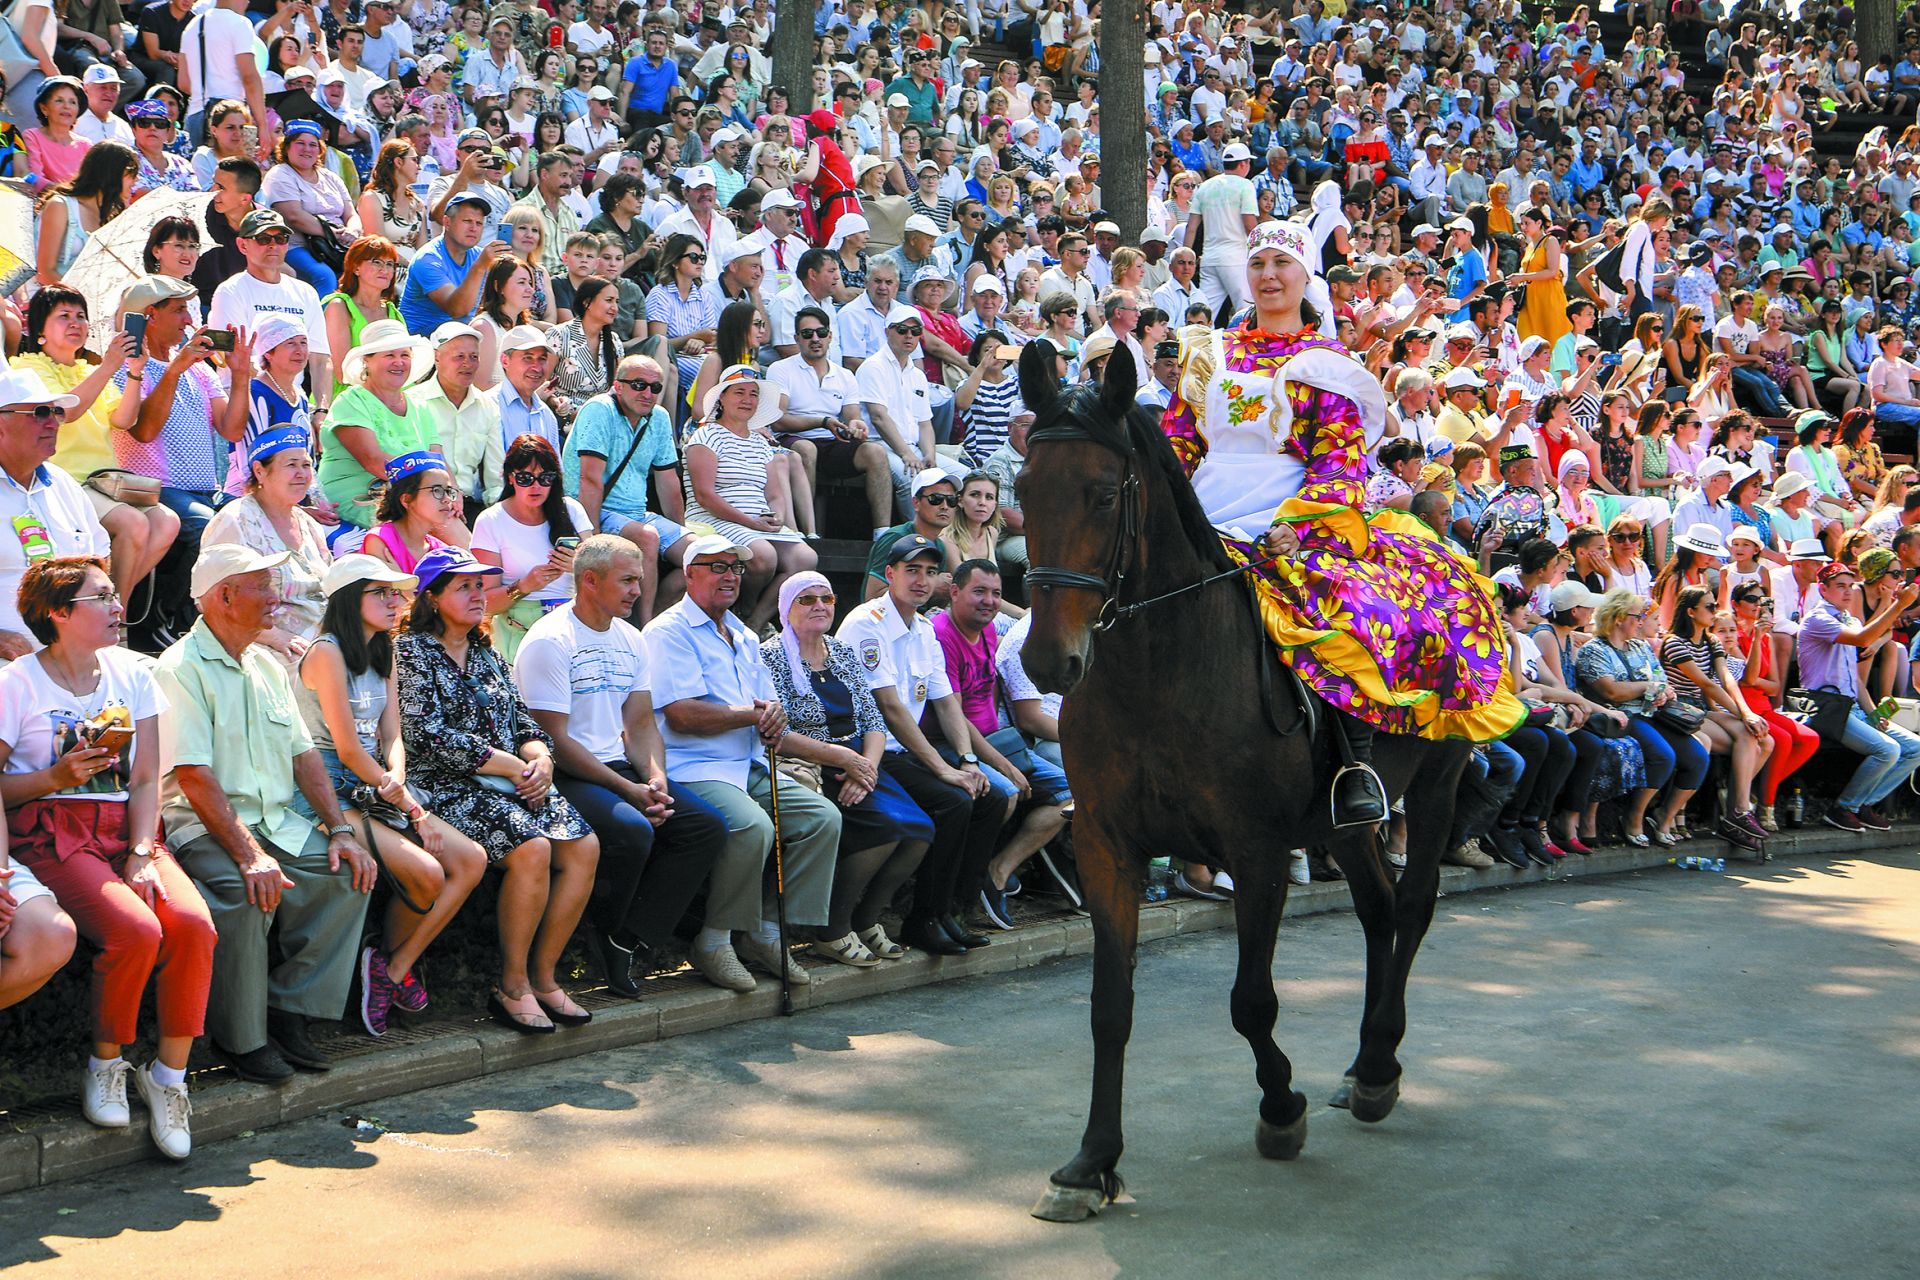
pixel 849 224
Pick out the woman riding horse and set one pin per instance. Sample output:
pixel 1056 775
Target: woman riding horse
pixel 1272 422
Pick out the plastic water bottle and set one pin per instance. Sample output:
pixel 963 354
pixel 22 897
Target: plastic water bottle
pixel 1159 879
pixel 1796 809
pixel 1691 863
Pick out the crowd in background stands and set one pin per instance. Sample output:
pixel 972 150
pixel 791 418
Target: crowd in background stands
pixel 470 435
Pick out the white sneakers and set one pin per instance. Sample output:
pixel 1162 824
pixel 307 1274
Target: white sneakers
pixel 103 1100
pixel 169 1114
pixel 103 1094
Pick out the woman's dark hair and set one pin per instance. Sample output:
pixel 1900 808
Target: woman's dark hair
pixel 540 122
pixel 1689 599
pixel 987 339
pixel 168 228
pixel 1854 424
pixel 102 173
pixel 1544 407
pixel 1512 597
pixel 424 619
pixel 1398 450
pixel 997 231
pixel 49 586
pixel 671 252
pixel 1683 561
pixel 584 296
pixel 342 621
pixel 530 452
pixel 734 332
pixel 40 307
pixel 490 290
pixel 408 485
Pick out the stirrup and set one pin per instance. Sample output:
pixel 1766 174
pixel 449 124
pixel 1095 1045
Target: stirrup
pixel 1368 810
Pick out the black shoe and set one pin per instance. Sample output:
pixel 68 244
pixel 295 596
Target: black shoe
pixel 1871 819
pixel 1736 834
pixel 1532 844
pixel 1359 799
pixel 959 932
pixel 261 1066
pixel 1507 847
pixel 287 1032
pixel 615 961
pixel 926 934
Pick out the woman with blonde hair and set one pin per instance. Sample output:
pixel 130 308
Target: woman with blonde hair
pixel 529 244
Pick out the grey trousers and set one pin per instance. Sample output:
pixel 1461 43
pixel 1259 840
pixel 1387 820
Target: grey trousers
pixel 319 922
pixel 740 893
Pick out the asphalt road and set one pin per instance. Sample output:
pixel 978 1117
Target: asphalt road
pixel 1665 1074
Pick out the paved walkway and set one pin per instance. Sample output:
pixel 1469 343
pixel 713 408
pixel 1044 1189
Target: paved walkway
pixel 1658 1074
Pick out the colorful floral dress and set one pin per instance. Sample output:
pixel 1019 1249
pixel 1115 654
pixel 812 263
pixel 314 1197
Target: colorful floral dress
pixel 1376 616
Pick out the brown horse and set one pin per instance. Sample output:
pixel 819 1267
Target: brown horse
pixel 1174 741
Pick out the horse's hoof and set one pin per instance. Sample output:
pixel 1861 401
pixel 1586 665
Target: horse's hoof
pixel 1074 1204
pixel 1370 1105
pixel 1280 1141
pixel 1343 1096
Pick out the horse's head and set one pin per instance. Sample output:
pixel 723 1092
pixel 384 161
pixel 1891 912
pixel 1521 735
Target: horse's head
pixel 1080 493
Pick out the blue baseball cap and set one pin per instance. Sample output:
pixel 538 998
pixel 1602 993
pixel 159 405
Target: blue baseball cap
pixel 441 561
pixel 278 440
pixel 408 464
pixel 295 128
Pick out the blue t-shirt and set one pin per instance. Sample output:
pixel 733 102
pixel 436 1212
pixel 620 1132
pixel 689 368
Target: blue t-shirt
pixel 433 268
pixel 651 85
pixel 1468 271
pixel 602 430
pixel 267 410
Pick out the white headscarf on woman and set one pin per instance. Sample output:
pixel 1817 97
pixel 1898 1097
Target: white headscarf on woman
pixel 849 224
pixel 789 592
pixel 1327 212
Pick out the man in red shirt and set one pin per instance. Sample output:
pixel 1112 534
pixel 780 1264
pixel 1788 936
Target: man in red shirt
pixel 969 641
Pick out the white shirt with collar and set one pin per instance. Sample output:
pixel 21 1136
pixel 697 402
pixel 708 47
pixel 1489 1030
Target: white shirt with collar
pixel 860 329
pixel 112 129
pixel 687 658
pixel 899 655
pixel 787 304
pixel 779 266
pixel 901 390
pixel 52 506
pixel 812 394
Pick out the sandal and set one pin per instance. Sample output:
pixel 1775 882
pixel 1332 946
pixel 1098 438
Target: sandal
pixel 561 1008
pixel 1665 839
pixel 848 950
pixel 876 941
pixel 505 1012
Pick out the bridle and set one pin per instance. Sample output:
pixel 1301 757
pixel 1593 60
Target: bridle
pixel 1111 585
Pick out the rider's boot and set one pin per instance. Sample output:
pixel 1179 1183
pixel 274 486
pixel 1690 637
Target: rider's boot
pixel 1359 797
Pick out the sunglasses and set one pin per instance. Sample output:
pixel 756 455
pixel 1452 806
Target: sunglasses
pixel 162 126
pixel 693 257
pixel 275 237
pixel 808 601
pixel 1627 537
pixel 910 330
pixel 42 412
pixel 654 385
pixel 725 568
pixel 941 499
pixel 534 479
pixel 817 331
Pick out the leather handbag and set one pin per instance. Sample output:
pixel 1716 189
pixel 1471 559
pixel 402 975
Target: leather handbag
pixel 124 486
pixel 1679 716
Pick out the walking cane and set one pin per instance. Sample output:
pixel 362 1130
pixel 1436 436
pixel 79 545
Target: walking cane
pixel 779 883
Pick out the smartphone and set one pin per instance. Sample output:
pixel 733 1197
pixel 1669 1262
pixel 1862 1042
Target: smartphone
pixel 250 138
pixel 1609 360
pixel 504 234
pixel 565 544
pixel 136 324
pixel 114 738
pixel 1006 353
pixel 220 339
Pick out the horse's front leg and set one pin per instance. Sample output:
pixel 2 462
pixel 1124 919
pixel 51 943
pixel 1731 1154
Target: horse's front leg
pixel 1111 883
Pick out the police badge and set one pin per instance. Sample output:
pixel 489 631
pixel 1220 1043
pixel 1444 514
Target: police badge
pixel 870 654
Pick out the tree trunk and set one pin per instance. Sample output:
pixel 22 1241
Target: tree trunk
pixel 792 54
pixel 1874 23
pixel 1123 116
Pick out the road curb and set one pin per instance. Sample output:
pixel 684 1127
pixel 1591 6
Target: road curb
pixel 64 1147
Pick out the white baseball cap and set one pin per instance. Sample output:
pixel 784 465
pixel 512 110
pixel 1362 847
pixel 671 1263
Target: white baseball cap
pixel 1234 153
pixel 921 224
pixel 225 560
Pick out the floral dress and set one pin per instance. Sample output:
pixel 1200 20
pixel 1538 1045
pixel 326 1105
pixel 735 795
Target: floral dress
pixel 451 721
pixel 1376 615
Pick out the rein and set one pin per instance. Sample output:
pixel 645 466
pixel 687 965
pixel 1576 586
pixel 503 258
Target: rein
pixel 1120 561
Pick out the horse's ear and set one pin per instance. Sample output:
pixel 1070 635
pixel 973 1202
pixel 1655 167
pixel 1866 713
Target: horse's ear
pixel 1039 377
pixel 1120 384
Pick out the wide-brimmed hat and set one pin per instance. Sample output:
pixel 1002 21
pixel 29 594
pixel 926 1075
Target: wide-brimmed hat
pixel 1704 539
pixel 933 275
pixel 360 567
pixel 1790 483
pixel 1806 549
pixel 379 337
pixel 734 375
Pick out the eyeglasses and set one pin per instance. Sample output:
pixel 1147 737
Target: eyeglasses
pixel 387 594
pixel 1635 616
pixel 941 499
pixel 109 597
pixel 534 479
pixel 379 264
pixel 162 126
pixel 913 330
pixel 812 600
pixel 442 492
pixel 724 568
pixel 40 411
pixel 817 331
pixel 654 385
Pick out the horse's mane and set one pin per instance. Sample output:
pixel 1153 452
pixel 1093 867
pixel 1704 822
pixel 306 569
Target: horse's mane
pixel 1137 434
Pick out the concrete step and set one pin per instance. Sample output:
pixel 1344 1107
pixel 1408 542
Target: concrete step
pixel 49 1142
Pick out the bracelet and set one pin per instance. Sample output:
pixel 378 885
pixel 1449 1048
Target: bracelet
pixel 340 830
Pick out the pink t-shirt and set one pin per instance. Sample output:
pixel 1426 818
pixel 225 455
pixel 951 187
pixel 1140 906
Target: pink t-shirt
pixel 970 670
pixel 53 162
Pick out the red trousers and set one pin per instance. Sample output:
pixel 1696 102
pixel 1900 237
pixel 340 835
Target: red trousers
pixel 171 943
pixel 1793 743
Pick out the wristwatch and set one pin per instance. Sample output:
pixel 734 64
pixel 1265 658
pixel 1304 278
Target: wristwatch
pixel 341 830
pixel 967 757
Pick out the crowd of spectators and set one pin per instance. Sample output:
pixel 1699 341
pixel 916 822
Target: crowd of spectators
pixel 495 378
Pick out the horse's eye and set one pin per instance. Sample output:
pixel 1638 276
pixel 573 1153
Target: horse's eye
pixel 1104 499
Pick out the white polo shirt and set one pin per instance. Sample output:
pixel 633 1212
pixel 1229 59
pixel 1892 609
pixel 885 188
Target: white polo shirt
pixel 809 393
pixel 897 655
pixel 51 516
pixel 860 329
pixel 902 392
pixel 790 302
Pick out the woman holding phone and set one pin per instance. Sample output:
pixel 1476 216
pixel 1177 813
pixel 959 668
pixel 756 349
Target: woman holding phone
pixel 529 535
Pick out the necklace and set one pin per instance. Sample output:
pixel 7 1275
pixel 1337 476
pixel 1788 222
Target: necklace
pixel 68 679
pixel 290 394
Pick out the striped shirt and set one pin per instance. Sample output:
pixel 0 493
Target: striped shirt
pixel 993 407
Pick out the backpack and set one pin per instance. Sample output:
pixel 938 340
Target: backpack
pixel 1607 269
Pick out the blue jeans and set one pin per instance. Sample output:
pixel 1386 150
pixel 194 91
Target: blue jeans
pixel 1754 383
pixel 312 270
pixel 1669 754
pixel 1891 754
